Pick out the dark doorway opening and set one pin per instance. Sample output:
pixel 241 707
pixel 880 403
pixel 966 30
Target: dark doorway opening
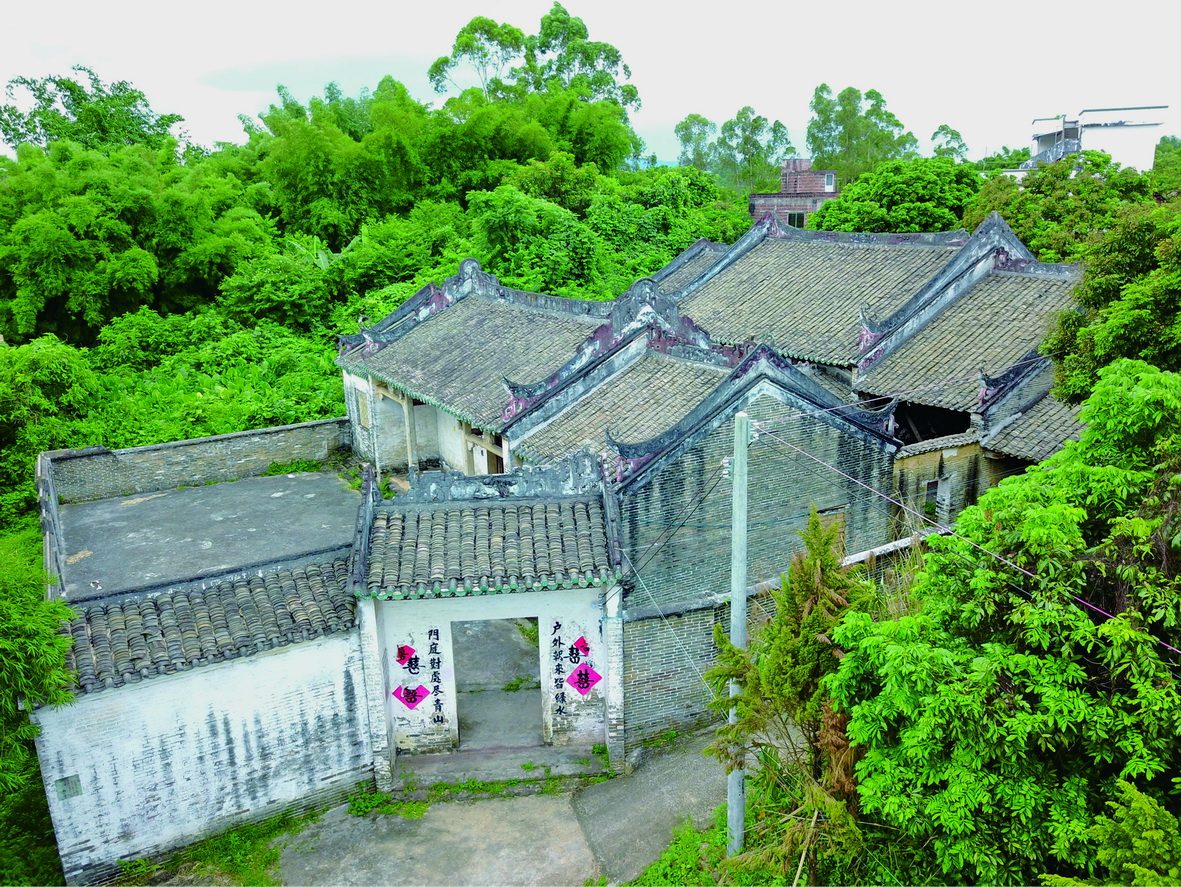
pixel 497 683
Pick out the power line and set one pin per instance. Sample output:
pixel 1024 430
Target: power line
pixel 942 528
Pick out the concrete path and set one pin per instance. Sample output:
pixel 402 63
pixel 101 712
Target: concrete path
pixel 612 829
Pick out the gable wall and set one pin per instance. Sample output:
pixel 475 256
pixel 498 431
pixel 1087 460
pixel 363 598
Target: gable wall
pixel 677 595
pixel 167 761
pixel 783 485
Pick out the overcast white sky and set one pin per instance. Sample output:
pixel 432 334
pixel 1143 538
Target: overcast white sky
pixel 986 70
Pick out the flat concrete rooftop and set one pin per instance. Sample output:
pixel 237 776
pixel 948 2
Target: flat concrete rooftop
pixel 164 538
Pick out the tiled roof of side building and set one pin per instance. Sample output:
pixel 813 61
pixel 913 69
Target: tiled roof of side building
pixel 990 328
pixel 644 400
pixel 807 295
pixel 482 547
pixel 125 641
pixel 1040 431
pixel 459 358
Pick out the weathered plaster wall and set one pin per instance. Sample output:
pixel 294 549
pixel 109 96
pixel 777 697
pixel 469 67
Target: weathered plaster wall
pixel 947 478
pixel 159 764
pixel 427 720
pixel 379 428
pixel 452 447
pixel 99 473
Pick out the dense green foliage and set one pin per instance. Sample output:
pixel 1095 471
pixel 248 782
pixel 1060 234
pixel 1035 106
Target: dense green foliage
pixel 93 114
pixel 995 723
pixel 1130 299
pixel 1055 208
pixel 924 194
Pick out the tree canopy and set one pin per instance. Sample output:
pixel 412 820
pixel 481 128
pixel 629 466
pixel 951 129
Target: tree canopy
pixel 924 194
pixel 93 114
pixel 747 154
pixel 995 722
pixel 854 133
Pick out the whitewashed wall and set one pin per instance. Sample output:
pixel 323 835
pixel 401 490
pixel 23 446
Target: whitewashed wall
pixel 161 763
pixel 429 722
pixel 452 446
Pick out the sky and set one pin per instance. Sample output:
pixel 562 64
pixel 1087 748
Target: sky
pixel 986 70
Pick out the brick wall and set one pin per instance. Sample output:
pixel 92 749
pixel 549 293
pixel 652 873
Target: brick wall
pixel 954 474
pixel 143 769
pixel 99 473
pixel 665 660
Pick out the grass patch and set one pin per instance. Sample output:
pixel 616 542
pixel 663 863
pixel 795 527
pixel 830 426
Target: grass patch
pixel 699 857
pixel 244 855
pixel 523 682
pixel 600 752
pixel 382 802
pixel 529 630
pixel 660 739
pixel 295 466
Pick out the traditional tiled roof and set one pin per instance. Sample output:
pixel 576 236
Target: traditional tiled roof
pixel 125 641
pixel 475 547
pixel 459 358
pixel 640 402
pixel 807 295
pixel 990 328
pixel 1039 432
pixel 689 265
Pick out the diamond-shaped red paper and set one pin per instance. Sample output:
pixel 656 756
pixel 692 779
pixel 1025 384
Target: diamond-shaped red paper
pixel 584 678
pixel 404 654
pixel 411 696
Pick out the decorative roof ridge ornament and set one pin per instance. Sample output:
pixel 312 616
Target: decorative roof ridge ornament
pixel 993 388
pixel 643 308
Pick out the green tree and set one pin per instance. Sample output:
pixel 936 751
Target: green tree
pixel 488 49
pixel 1005 158
pixel 86 235
pixel 1057 207
pixel 785 718
pixel 750 150
pixel 995 722
pixel 696 137
pixel 94 114
pixel 33 670
pixel 947 142
pixel 1130 299
pixel 1166 167
pixel 560 57
pixel 924 194
pixel 1139 844
pixel 852 133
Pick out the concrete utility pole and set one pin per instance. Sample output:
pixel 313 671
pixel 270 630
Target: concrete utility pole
pixel 736 782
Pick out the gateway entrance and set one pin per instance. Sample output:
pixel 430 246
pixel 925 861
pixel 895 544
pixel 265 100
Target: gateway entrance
pixel 497 683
